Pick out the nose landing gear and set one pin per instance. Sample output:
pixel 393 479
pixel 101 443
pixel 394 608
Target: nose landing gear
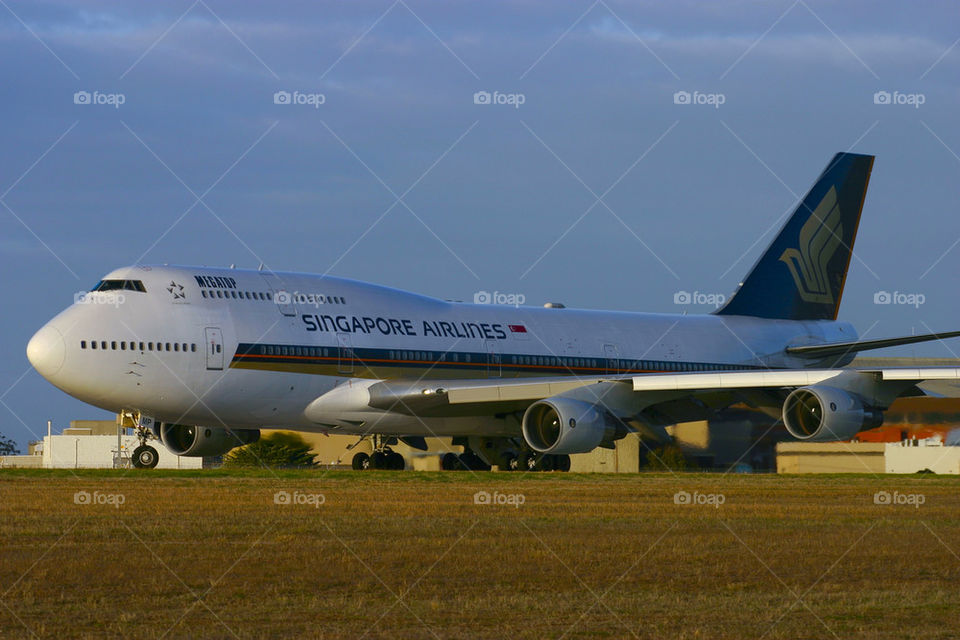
pixel 144 456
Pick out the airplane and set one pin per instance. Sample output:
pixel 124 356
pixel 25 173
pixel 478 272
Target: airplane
pixel 203 358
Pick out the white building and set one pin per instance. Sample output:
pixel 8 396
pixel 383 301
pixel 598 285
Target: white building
pixel 103 452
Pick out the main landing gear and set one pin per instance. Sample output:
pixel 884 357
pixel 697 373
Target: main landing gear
pixel 383 457
pixel 532 461
pixel 509 454
pixel 479 454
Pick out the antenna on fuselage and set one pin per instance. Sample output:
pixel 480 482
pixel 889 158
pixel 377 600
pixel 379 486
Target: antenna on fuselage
pixel 260 268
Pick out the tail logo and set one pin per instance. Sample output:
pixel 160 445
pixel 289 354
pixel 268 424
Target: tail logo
pixel 820 237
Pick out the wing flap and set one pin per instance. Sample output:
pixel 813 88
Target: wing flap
pixel 518 391
pixel 921 374
pixel 733 380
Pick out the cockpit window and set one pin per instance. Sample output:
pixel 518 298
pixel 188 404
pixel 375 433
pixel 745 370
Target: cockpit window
pixel 117 285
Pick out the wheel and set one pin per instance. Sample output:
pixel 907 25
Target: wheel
pixel 450 462
pixel 361 462
pixel 544 463
pixel 472 462
pixel 379 460
pixel 526 461
pixel 396 461
pixel 561 463
pixel 145 457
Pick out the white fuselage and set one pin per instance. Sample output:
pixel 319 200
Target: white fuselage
pixel 242 348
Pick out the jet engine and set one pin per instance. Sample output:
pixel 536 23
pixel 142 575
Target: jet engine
pixel 823 414
pixel 562 426
pixel 188 440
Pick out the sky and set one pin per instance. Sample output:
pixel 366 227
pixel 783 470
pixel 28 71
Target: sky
pixel 541 149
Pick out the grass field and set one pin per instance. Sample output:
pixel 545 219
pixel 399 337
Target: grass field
pixel 410 555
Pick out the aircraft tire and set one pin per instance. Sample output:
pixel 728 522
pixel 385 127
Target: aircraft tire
pixel 145 457
pixel 544 463
pixel 450 462
pixel 361 462
pixel 396 461
pixel 525 461
pixel 379 460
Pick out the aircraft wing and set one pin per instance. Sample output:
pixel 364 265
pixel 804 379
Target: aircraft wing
pixel 625 394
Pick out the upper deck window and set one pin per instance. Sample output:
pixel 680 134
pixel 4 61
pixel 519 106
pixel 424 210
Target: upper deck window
pixel 120 285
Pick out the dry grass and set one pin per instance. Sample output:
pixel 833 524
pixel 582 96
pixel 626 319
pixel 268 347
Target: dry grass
pixel 410 555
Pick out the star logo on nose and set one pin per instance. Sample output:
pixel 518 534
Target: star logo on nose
pixel 176 290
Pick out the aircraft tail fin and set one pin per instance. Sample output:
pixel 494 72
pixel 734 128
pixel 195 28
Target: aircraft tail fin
pixel 802 273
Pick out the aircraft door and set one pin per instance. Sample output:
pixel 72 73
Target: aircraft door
pixel 612 357
pixel 344 354
pixel 282 297
pixel 493 359
pixel 214 347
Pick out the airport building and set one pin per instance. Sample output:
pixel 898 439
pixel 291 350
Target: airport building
pixel 909 456
pixel 91 444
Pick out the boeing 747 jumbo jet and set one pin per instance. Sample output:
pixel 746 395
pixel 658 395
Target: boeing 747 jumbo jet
pixel 203 358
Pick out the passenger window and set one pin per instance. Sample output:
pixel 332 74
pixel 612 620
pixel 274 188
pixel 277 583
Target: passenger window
pixel 93 344
pixel 167 347
pixel 83 344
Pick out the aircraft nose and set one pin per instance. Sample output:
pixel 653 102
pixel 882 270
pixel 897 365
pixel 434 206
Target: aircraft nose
pixel 46 351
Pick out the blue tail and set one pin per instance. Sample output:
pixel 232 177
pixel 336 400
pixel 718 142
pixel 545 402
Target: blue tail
pixel 801 275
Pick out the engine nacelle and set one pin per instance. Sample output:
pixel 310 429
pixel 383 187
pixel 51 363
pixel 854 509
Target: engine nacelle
pixel 825 414
pixel 563 425
pixel 188 440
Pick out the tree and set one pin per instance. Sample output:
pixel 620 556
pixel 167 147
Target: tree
pixel 279 450
pixel 670 457
pixel 8 447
